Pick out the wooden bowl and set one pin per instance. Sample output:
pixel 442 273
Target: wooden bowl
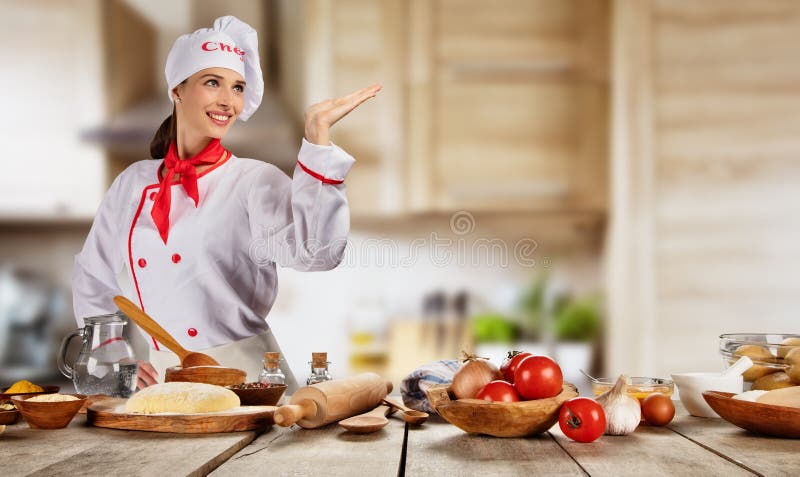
pixel 767 419
pixel 260 397
pixel 500 419
pixel 47 390
pixel 219 375
pixel 48 415
pixel 9 417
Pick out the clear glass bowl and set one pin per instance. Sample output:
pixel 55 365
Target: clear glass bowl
pixel 638 387
pixel 765 349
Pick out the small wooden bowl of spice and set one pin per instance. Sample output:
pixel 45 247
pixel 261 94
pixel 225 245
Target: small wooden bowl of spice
pixel 258 394
pixel 49 411
pixel 25 388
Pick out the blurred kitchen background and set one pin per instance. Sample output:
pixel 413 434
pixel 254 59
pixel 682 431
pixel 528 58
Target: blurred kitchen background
pixel 614 183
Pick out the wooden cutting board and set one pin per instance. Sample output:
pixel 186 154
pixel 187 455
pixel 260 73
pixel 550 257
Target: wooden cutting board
pixel 111 413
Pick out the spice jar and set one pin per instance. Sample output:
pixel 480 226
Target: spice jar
pixel 272 374
pixel 319 368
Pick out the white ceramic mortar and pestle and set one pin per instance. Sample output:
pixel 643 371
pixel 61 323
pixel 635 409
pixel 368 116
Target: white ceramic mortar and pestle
pixel 692 385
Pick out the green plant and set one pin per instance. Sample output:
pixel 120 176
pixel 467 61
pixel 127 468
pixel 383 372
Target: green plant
pixel 493 328
pixel 532 305
pixel 578 320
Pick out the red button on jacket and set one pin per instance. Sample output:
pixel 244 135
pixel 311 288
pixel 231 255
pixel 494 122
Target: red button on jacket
pixel 176 258
pixel 142 263
pixel 191 332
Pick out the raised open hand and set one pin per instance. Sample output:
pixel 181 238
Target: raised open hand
pixel 321 116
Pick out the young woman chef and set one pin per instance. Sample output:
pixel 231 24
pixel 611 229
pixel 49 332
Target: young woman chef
pixel 201 230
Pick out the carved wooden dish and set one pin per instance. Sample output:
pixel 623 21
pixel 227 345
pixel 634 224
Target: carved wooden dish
pixel 260 396
pixel 48 415
pixel 9 417
pixel 500 419
pixel 767 419
pixel 111 413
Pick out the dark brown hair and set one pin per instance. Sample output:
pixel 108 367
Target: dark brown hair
pixel 166 133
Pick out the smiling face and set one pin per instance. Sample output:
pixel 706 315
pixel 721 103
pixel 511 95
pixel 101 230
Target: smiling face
pixel 210 101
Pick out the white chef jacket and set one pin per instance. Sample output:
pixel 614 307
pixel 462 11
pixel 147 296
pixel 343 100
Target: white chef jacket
pixel 215 279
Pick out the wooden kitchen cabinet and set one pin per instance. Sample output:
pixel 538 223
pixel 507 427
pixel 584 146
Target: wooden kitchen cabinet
pixel 329 48
pixel 515 100
pixel 485 107
pixel 706 130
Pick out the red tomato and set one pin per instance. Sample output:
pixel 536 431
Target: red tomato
pixel 510 364
pixel 498 391
pixel 538 377
pixel 582 419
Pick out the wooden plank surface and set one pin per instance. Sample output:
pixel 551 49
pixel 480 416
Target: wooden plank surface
pixel 649 451
pixel 439 448
pixel 329 450
pixel 653 451
pixel 688 446
pixel 80 450
pixel 761 454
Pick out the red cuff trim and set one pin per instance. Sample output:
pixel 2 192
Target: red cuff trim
pixel 318 176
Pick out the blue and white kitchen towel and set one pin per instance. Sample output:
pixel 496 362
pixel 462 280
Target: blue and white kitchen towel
pixel 415 384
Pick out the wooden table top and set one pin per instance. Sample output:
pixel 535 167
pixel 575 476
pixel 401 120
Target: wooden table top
pixel 688 446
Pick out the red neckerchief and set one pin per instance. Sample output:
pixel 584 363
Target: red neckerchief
pixel 185 167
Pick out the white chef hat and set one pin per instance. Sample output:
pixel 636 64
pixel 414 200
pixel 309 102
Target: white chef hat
pixel 230 43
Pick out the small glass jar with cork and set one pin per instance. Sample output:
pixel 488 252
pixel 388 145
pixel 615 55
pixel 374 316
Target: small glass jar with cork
pixel 272 374
pixel 319 368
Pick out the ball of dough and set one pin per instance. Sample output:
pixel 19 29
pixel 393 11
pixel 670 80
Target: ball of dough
pixel 184 398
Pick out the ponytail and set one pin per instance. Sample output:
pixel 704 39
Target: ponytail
pixel 166 133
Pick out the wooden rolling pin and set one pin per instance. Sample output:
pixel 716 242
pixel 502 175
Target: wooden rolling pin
pixel 331 401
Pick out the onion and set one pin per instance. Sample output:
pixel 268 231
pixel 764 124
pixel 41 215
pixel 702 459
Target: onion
pixel 475 373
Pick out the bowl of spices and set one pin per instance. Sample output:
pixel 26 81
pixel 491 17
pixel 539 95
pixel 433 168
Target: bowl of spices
pixel 25 388
pixel 258 394
pixel 49 411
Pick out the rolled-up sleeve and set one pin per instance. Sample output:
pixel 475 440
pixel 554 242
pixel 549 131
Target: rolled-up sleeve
pixel 94 282
pixel 302 222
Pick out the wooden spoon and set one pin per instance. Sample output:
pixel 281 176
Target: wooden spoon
pixel 188 358
pixel 371 421
pixel 411 416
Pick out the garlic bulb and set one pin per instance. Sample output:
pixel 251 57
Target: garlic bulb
pixel 623 413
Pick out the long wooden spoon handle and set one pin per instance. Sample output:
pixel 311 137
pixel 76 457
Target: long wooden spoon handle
pixel 149 325
pixel 380 411
pixel 395 405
